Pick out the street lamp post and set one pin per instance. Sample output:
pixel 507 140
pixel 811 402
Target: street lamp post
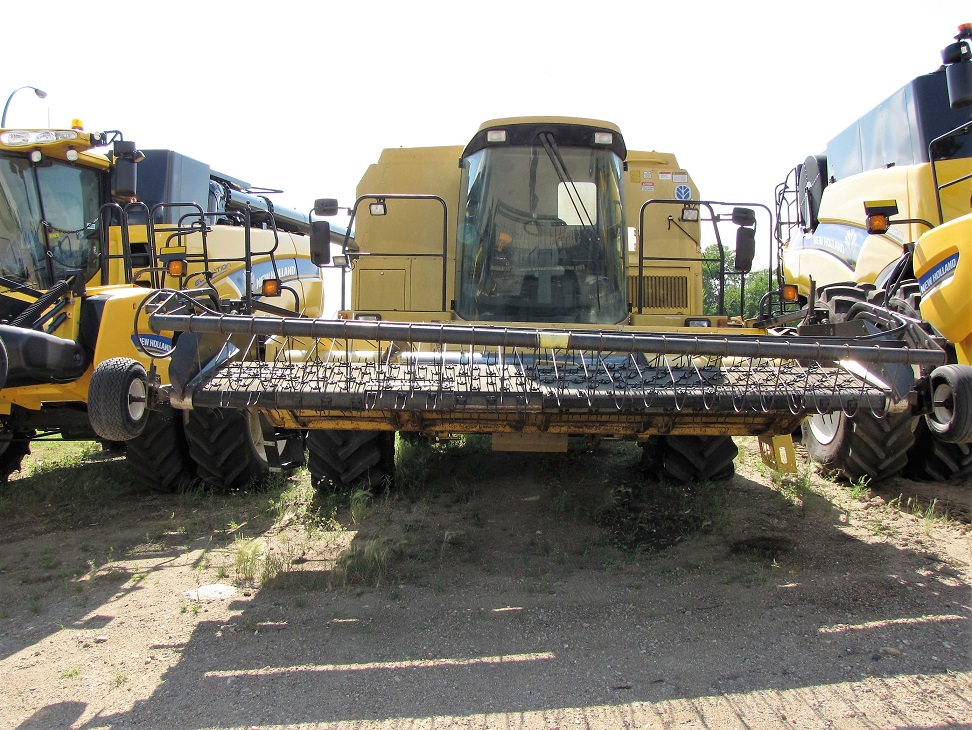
pixel 40 95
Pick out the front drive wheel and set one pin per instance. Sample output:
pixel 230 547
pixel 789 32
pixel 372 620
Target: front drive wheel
pixel 117 399
pixel 14 446
pixel 864 446
pixel 690 458
pixel 341 459
pixel 230 447
pixel 159 456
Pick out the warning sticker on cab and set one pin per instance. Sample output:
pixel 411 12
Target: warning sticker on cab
pixel 647 187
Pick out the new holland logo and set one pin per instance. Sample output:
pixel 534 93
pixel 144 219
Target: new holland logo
pixel 938 275
pixel 155 345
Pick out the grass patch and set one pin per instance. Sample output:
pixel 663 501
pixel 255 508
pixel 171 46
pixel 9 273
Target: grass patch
pixel 363 564
pixel 930 514
pixel 68 476
pixel 794 487
pixel 246 556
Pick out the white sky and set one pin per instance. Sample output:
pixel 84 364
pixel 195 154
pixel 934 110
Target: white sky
pixel 303 96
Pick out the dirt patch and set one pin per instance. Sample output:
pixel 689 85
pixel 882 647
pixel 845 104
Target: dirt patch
pixel 503 590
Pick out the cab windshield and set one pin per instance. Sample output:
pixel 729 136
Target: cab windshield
pixel 543 236
pixel 48 221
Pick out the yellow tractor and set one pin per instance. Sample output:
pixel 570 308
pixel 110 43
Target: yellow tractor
pixel 882 222
pixel 540 283
pixel 83 241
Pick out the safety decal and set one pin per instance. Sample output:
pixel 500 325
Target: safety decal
pixel 938 275
pixel 154 345
pixel 664 176
pixel 683 192
pixel 646 174
pixel 680 177
pixel 647 187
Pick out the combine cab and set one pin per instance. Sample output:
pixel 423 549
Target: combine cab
pixel 543 282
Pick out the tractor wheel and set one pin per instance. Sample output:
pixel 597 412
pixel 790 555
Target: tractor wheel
pixel 340 459
pixel 864 446
pixel 159 456
pixel 932 459
pixel 951 416
pixel 14 446
pixel 117 399
pixel 690 458
pixel 229 447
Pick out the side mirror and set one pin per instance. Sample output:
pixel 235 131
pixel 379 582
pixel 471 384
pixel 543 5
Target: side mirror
pixel 957 58
pixel 958 78
pixel 745 249
pixel 124 176
pixel 743 216
pixel 320 243
pixel 325 206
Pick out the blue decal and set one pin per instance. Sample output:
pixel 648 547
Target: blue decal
pixel 153 345
pixel 841 241
pixel 939 274
pixel 683 192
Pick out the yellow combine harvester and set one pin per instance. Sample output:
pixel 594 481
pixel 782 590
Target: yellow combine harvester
pixel 542 282
pixel 83 241
pixel 882 222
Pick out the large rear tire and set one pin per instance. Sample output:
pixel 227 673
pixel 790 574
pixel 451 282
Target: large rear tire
pixel 688 459
pixel 229 447
pixel 340 459
pixel 159 456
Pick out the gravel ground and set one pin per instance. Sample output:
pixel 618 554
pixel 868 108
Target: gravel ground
pixel 511 591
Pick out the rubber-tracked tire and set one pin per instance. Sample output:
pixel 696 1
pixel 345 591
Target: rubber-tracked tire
pixel 691 458
pixel 117 399
pixel 341 459
pixel 227 447
pixel 14 446
pixel 159 456
pixel 932 459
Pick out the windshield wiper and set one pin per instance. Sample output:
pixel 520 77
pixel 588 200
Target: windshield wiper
pixel 560 167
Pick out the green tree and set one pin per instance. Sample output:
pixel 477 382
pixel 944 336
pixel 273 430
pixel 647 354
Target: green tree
pixel 756 284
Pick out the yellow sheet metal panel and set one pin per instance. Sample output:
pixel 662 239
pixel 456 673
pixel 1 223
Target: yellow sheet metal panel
pixel 380 289
pixel 943 265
